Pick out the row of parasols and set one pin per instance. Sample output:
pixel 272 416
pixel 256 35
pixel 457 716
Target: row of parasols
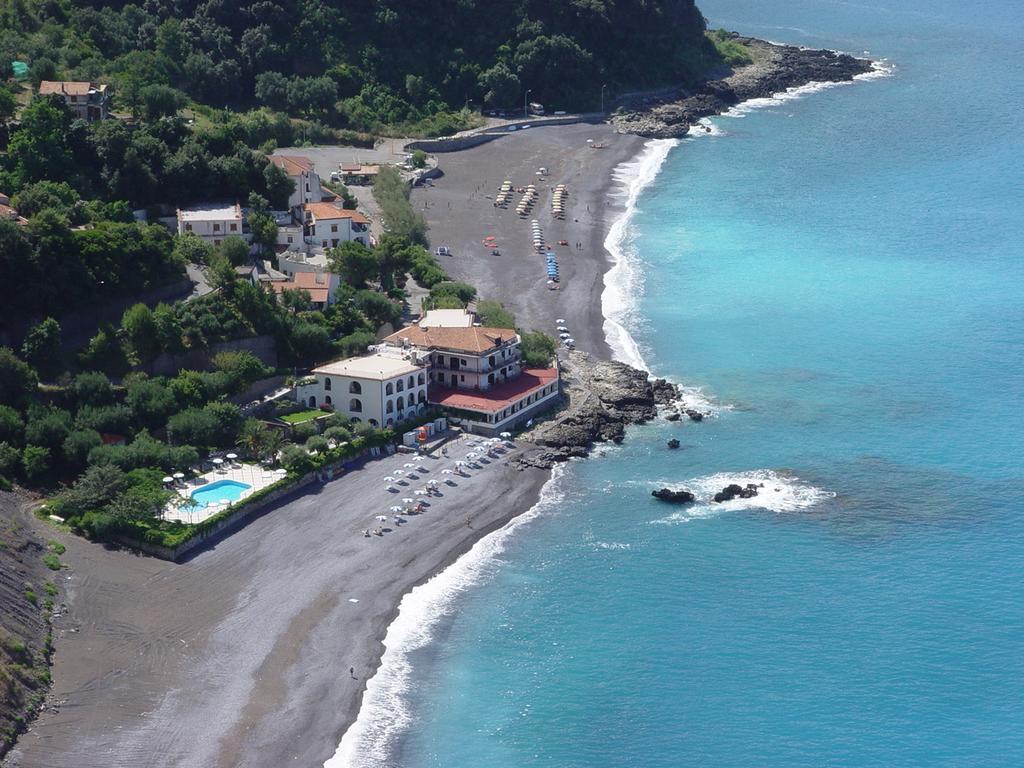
pixel 504 194
pixel 415 505
pixel 529 198
pixel 558 201
pixel 550 259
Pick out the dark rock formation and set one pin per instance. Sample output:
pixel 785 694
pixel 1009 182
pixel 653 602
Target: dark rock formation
pixel 603 399
pixel 733 491
pixel 673 416
pixel 676 497
pixel 694 415
pixel 673 443
pixel 775 68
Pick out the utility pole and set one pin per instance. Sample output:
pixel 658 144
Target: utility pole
pixel 602 98
pixel 526 100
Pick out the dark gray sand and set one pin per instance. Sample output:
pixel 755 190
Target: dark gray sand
pixel 460 212
pixel 241 656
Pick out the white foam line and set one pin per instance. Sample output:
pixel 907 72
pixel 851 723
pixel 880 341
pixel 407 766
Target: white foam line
pixel 384 715
pixel 623 282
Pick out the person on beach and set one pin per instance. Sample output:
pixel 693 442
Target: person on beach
pixel 352 672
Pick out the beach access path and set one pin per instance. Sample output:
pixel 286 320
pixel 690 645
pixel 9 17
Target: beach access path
pixel 241 655
pixel 459 208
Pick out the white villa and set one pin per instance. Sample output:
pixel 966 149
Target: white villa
pixel 328 224
pixel 473 372
pixel 308 188
pixel 214 222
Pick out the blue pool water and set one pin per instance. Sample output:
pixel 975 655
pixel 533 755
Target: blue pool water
pixel 842 276
pixel 219 490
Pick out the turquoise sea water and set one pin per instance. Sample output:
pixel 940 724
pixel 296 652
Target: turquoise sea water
pixel 842 274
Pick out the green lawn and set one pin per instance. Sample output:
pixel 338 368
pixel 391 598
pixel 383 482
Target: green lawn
pixel 301 416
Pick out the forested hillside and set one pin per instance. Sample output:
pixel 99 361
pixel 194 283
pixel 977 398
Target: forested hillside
pixel 360 63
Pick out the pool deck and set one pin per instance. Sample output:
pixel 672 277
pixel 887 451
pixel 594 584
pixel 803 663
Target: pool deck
pixel 253 475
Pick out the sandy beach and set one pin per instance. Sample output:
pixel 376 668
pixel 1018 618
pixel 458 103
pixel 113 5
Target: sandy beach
pixel 460 211
pixel 241 655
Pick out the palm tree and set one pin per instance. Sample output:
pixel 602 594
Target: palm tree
pixel 273 441
pixel 252 437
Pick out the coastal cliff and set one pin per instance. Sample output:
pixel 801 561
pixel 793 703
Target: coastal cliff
pixel 774 69
pixel 602 398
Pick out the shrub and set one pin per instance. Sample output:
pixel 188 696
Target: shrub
pixel 79 444
pixel 537 349
pixel 316 444
pixel 35 461
pixel 303 431
pixel 337 434
pixel 92 388
pixel 52 561
pixel 296 460
pixel 12 428
pixel 494 315
pixel 111 419
pixel 48 427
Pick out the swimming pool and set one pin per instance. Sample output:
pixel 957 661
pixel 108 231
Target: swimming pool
pixel 230 490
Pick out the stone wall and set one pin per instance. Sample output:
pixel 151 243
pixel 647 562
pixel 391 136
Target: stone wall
pixel 262 347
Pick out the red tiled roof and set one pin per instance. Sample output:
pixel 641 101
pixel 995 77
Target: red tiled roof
pixel 475 340
pixel 498 397
pixel 307 281
pixel 63 87
pixel 327 211
pixel 293 165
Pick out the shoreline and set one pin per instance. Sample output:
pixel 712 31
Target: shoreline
pixel 289 691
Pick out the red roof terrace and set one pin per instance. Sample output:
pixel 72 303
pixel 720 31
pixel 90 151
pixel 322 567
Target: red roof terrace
pixel 498 397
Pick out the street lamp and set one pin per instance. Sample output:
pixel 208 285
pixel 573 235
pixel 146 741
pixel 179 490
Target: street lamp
pixel 602 98
pixel 526 99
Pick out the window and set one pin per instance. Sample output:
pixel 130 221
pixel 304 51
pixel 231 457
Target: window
pixel 390 422
pixel 373 423
pixel 390 407
pixel 421 379
pixel 334 242
pixel 355 405
pixel 412 382
pixel 400 403
pixel 334 227
pixel 307 186
pixel 289 238
pixel 216 227
pixel 312 401
pixel 188 227
pixel 389 389
pixel 440 359
pixel 216 242
pixel 440 378
pixel 327 384
pixel 399 385
pixel 355 420
pixel 323 243
pixel 423 397
pixel 327 399
pixel 355 388
pixel 233 227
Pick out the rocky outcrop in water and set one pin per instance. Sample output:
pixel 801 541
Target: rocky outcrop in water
pixel 734 491
pixel 676 497
pixel 673 443
pixel 602 399
pixel 775 68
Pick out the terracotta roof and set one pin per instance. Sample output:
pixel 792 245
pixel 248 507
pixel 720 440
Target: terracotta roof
pixel 474 340
pixel 327 211
pixel 318 289
pixel 498 397
pixel 293 165
pixel 67 87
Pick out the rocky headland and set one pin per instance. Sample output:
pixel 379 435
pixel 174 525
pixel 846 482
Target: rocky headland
pixel 774 69
pixel 602 398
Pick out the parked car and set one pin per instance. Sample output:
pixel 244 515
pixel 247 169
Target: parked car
pixel 443 250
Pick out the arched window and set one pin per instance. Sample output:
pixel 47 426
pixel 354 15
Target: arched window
pixel 390 407
pixel 327 384
pixel 373 423
pixel 327 399
pixel 355 405
pixel 389 389
pixel 401 402
pixel 312 401
pixel 399 386
pixel 355 388
pixel 412 382
pixel 421 378
pixel 390 422
pixel 355 420
pixel 423 397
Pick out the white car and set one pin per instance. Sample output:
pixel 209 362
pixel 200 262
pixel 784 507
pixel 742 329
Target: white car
pixel 443 250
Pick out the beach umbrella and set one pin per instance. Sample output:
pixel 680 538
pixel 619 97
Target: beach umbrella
pixel 232 456
pixel 178 475
pixel 506 435
pixel 459 463
pixel 418 458
pixel 389 479
pixel 570 341
pixel 407 501
pixel 420 492
pixel 432 483
pixel 560 321
pixel 399 472
pixel 218 461
pixel 446 471
pixel 563 328
pixel 168 480
pixel 395 508
pixel 408 465
pixel 563 335
pixel 382 518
